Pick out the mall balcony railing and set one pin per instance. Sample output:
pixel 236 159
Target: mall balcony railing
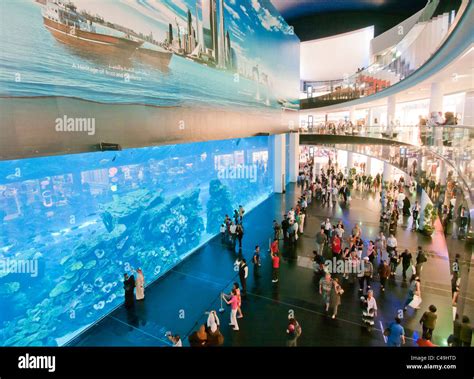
pixel 320 86
pixel 420 43
pixel 453 143
pixel 398 156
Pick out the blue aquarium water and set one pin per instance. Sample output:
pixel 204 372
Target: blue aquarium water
pixel 74 224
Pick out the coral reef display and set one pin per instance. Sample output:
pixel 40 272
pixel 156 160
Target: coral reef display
pixel 85 219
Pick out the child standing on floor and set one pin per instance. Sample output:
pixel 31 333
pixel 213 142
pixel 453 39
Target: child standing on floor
pixel 275 266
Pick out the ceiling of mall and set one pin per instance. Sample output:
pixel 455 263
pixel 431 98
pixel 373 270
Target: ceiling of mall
pixel 291 9
pixel 313 19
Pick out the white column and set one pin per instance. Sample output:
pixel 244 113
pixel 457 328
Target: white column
pixel 294 156
pixel 443 173
pixel 391 108
pixel 368 166
pixel 420 162
pixel 436 105
pixel 350 161
pixel 468 114
pixel 436 98
pixel 279 145
pixel 387 172
pixel 352 115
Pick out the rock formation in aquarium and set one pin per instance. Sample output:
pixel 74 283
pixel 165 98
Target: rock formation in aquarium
pixel 218 205
pixel 147 232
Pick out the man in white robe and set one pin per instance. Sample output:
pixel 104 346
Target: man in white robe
pixel 140 285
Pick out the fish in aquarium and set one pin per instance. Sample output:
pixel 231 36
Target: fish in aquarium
pixel 152 223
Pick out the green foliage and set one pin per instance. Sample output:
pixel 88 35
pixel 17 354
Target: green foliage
pixel 429 216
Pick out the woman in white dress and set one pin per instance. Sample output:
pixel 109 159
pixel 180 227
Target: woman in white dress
pixel 140 285
pixel 301 224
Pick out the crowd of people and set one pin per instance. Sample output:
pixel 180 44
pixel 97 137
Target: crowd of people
pixel 366 259
pixel 363 260
pixel 343 257
pixel 336 127
pixel 454 217
pixel 345 126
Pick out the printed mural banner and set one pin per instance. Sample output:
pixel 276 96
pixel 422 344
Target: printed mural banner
pixel 178 70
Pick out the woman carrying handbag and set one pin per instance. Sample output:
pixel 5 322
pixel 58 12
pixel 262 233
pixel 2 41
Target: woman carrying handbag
pixel 335 297
pixel 414 294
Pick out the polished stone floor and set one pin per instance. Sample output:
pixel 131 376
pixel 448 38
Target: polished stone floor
pixel 466 260
pixel 178 301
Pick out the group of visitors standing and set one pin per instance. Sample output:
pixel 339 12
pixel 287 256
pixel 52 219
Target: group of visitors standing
pixel 134 288
pixel 232 230
pixel 396 204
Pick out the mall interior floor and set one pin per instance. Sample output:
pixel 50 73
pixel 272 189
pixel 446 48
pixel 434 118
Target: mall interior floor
pixel 466 261
pixel 178 301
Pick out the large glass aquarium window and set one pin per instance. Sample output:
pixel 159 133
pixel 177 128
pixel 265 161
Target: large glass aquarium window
pixel 71 225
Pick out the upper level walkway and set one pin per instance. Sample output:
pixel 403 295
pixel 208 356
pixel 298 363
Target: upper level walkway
pixel 429 46
pixel 451 147
pixel 454 143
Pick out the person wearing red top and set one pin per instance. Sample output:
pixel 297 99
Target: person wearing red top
pixel 274 247
pixel 276 266
pixel 424 343
pixel 336 246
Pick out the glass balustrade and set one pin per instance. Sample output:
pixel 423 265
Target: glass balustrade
pixel 404 158
pixel 420 43
pixel 454 143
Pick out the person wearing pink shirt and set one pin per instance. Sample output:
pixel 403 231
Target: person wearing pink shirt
pixel 234 305
pixel 239 298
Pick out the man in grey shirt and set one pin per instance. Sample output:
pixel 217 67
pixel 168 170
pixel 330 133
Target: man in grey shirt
pixel 321 240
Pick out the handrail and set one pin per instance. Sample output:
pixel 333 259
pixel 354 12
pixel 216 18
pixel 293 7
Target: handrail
pixel 379 152
pixel 320 125
pixel 450 142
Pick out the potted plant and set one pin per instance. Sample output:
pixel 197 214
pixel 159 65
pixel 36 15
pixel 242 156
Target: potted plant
pixel 429 216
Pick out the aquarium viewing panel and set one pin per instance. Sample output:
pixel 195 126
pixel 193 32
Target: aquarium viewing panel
pixel 72 225
pixel 140 73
